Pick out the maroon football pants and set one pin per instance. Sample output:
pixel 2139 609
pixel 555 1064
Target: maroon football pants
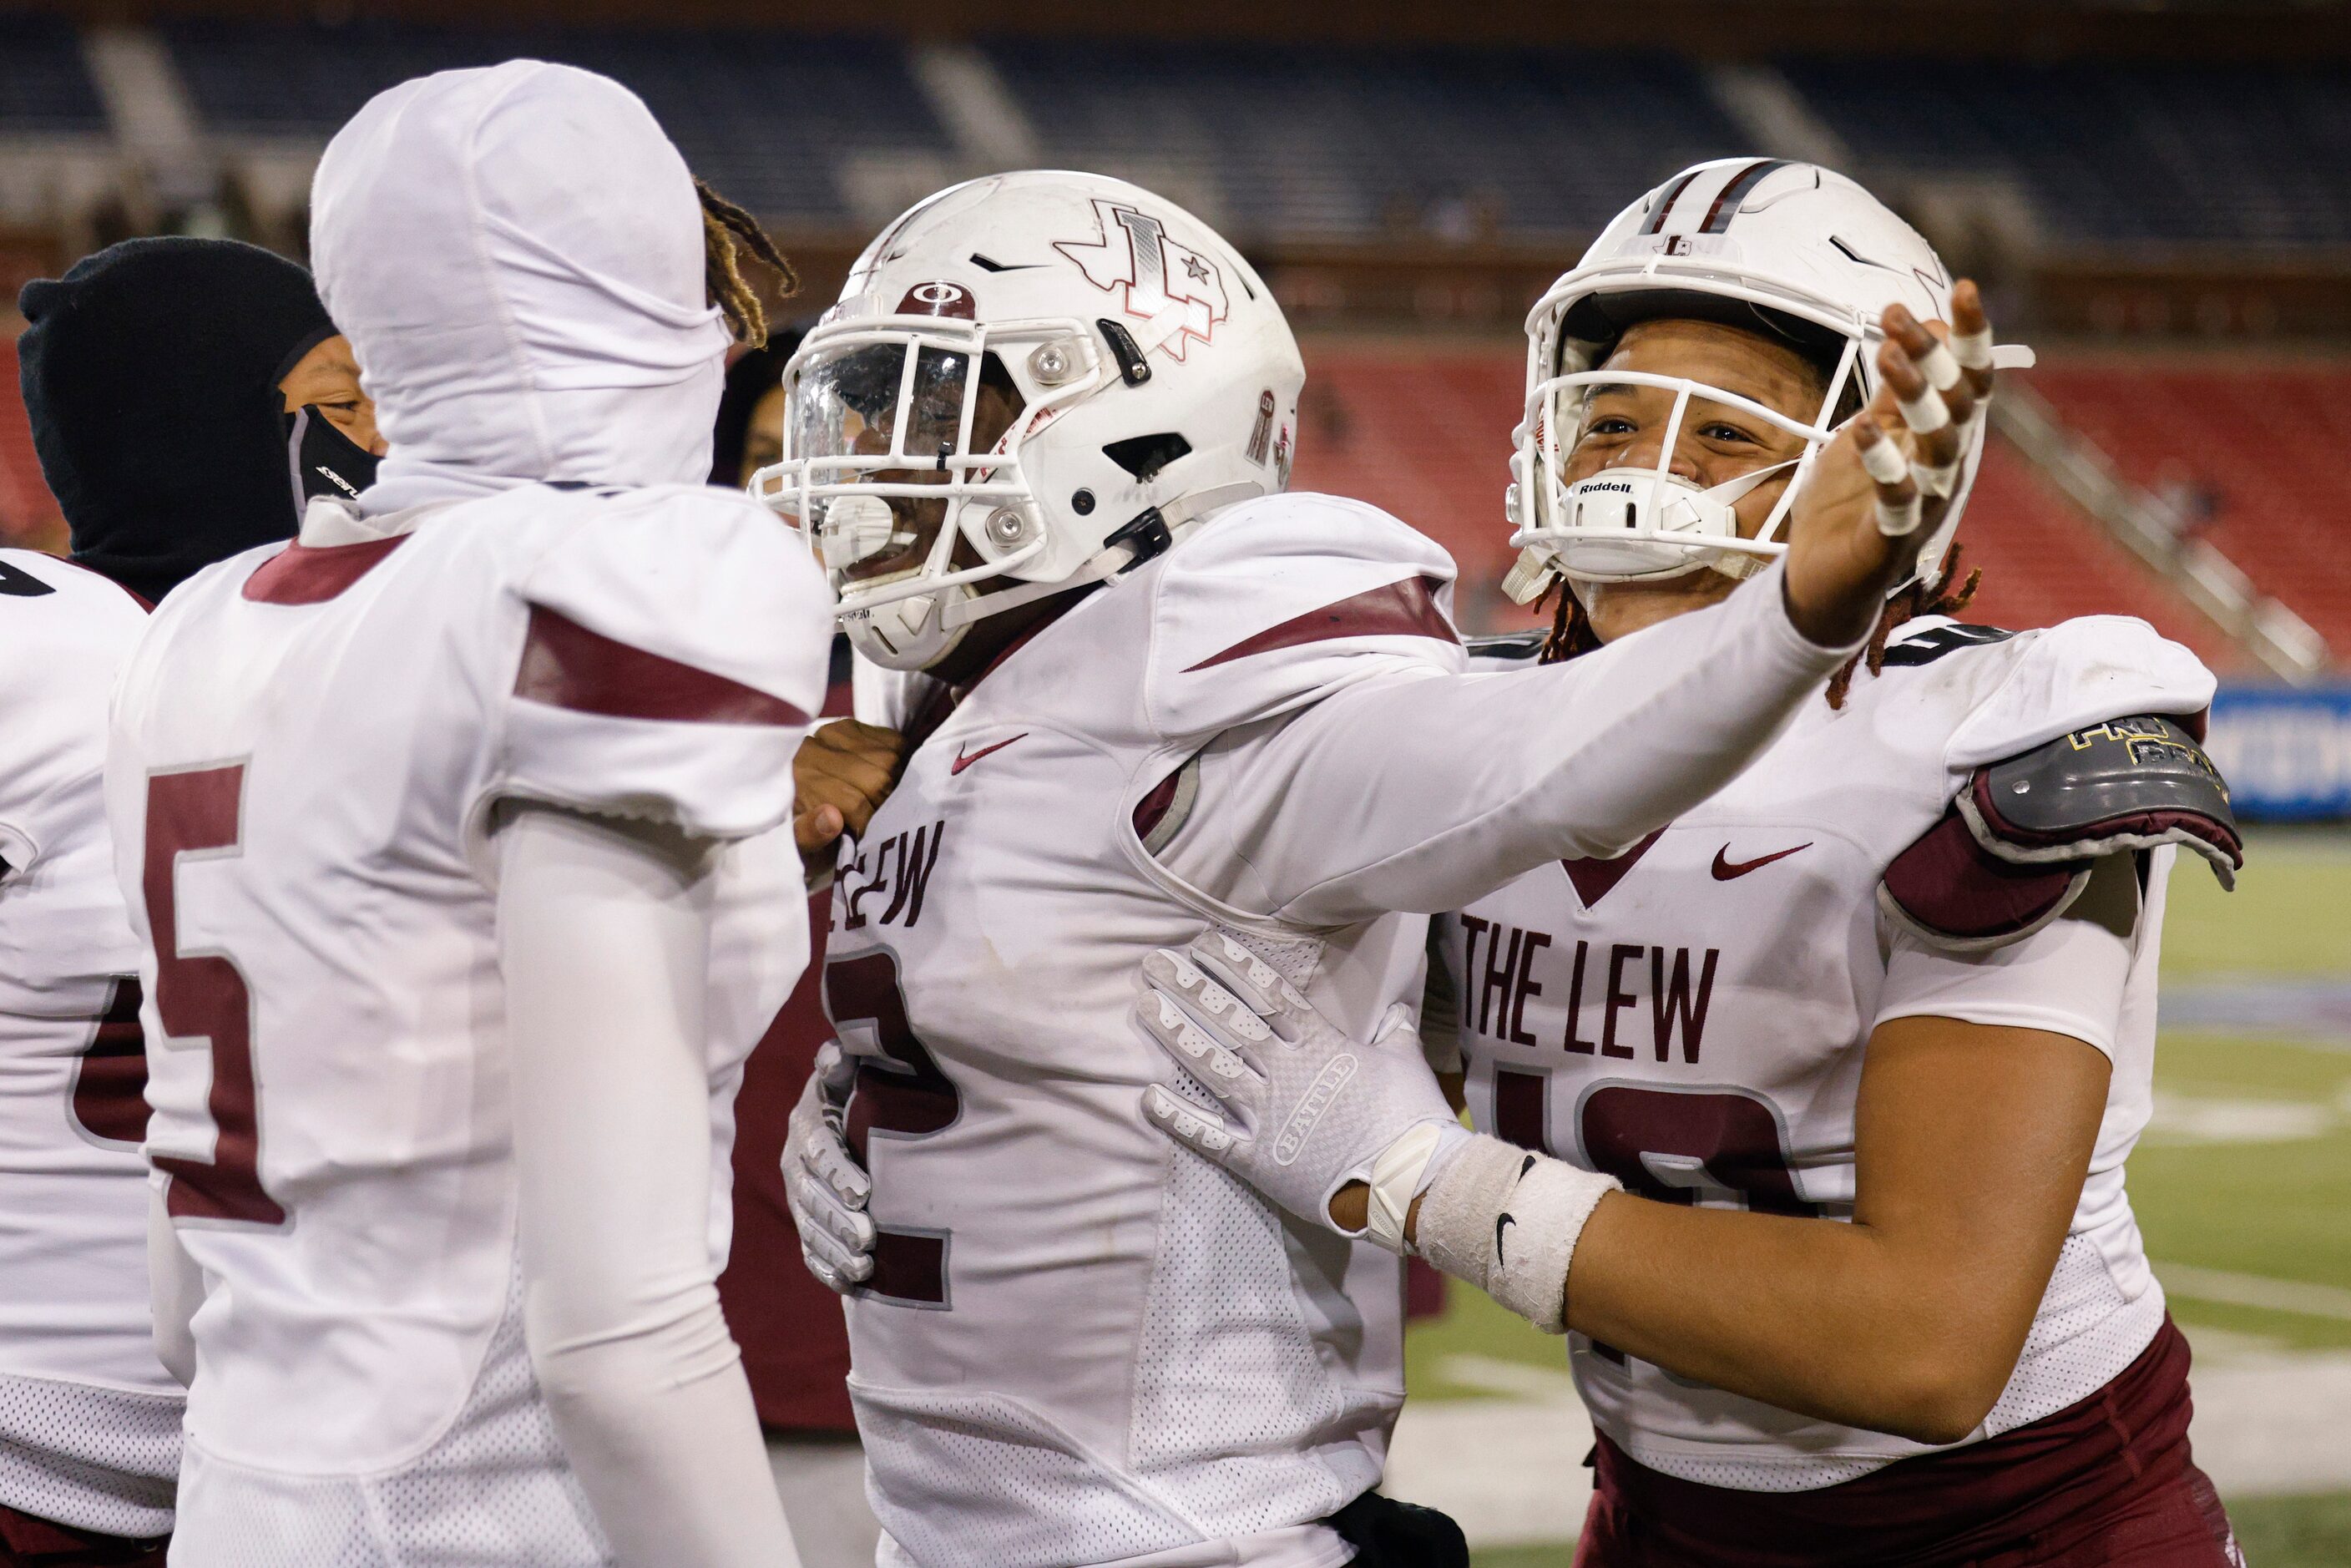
pixel 29 1543
pixel 2104 1483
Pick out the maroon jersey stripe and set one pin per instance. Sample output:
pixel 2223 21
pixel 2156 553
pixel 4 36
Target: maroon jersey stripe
pixel 312 574
pixel 1406 609
pixel 565 666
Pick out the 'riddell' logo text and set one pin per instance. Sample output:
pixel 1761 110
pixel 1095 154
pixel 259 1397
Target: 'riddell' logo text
pixel 1610 486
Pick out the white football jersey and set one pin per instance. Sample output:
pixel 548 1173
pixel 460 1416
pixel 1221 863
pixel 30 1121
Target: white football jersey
pixel 1690 1016
pixel 90 1421
pixel 1082 1344
pixel 308 749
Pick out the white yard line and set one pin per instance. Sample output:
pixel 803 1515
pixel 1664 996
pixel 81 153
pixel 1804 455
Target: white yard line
pixel 2255 1290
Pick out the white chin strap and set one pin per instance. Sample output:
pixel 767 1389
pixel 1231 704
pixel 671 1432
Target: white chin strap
pixel 915 632
pixel 1628 525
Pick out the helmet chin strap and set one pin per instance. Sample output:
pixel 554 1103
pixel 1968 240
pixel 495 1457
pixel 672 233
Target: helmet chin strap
pixel 1176 517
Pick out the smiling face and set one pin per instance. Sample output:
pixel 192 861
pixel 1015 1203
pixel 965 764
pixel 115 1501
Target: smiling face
pixel 1624 426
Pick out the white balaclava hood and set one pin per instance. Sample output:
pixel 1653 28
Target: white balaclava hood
pixel 516 254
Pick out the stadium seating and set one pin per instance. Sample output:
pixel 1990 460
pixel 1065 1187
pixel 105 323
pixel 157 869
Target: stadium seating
pixel 44 86
pixel 1425 433
pixel 27 515
pixel 2255 443
pixel 766 117
pixel 2114 153
pixel 1354 141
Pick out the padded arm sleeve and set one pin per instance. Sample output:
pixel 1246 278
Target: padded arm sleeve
pixel 1420 790
pixel 674 648
pixel 604 939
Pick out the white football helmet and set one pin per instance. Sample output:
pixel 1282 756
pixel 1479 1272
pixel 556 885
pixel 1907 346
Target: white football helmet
pixel 1043 376
pixel 1799 253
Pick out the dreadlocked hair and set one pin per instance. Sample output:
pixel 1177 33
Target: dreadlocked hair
pixel 727 231
pixel 1921 598
pixel 1570 628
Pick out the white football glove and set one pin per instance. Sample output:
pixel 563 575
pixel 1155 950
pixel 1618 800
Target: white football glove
pixel 826 1186
pixel 1306 1109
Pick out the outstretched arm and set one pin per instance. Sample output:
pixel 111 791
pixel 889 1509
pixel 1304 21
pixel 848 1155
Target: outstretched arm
pixel 1421 791
pixel 603 940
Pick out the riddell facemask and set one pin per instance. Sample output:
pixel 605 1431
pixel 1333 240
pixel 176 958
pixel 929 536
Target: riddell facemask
pixel 1643 521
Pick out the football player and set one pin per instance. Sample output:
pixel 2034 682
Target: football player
pixel 1899 974
pixel 456 835
pixel 160 376
pixel 1043 442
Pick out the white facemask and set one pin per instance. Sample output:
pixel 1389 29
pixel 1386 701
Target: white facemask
pixel 1637 523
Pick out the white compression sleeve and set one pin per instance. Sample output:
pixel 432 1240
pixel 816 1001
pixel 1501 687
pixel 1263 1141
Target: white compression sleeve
pixel 603 938
pixel 1425 792
pixel 175 1288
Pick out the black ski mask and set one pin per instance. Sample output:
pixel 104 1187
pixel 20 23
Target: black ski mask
pixel 150 373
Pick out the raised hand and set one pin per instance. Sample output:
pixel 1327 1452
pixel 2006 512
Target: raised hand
pixel 1883 486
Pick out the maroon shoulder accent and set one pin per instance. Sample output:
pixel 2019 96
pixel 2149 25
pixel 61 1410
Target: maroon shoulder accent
pixel 1406 609
pixel 1948 882
pixel 1593 878
pixel 312 574
pixel 565 666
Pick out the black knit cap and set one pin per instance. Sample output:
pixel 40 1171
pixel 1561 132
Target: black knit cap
pixel 150 373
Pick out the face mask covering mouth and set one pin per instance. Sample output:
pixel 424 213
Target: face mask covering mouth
pixel 323 461
pixel 1624 525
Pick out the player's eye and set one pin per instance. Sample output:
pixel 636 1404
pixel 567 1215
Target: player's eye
pixel 1724 432
pixel 1609 424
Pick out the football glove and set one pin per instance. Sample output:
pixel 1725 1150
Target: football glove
pixel 823 1183
pixel 1304 1109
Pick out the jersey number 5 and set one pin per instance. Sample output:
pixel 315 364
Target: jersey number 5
pixel 900 1093
pixel 201 995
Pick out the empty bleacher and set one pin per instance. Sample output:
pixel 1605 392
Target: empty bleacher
pixel 1335 142
pixel 2249 449
pixel 43 86
pixel 771 118
pixel 2113 154
pixel 1425 433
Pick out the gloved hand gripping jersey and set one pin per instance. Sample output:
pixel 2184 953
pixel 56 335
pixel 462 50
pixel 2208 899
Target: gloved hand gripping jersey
pixel 2017 846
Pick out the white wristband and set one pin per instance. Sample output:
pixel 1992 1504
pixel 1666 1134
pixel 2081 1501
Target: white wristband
pixel 1507 1221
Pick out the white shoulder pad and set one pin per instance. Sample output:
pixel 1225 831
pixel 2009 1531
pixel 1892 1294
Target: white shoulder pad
pixel 675 648
pixel 64 633
pixel 2076 674
pixel 1277 602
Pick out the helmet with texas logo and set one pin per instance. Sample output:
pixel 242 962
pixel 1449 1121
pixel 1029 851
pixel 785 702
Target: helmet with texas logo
pixel 1796 253
pixel 1041 377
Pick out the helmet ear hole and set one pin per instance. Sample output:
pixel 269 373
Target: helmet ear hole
pixel 1145 456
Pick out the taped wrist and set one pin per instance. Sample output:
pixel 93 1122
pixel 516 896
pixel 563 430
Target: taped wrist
pixel 1507 1221
pixel 1402 1172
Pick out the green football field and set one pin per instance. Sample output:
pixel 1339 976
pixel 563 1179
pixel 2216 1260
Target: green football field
pixel 2242 1186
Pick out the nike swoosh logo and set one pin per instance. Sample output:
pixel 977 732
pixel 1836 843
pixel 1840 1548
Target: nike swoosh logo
pixel 1726 868
pixel 962 761
pixel 1504 1220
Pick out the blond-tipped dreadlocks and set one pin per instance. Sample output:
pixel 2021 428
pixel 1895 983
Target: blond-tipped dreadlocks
pixel 727 231
pixel 1572 632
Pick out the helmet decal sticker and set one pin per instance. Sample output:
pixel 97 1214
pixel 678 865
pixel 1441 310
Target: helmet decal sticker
pixel 1135 258
pixel 1262 436
pixel 938 299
